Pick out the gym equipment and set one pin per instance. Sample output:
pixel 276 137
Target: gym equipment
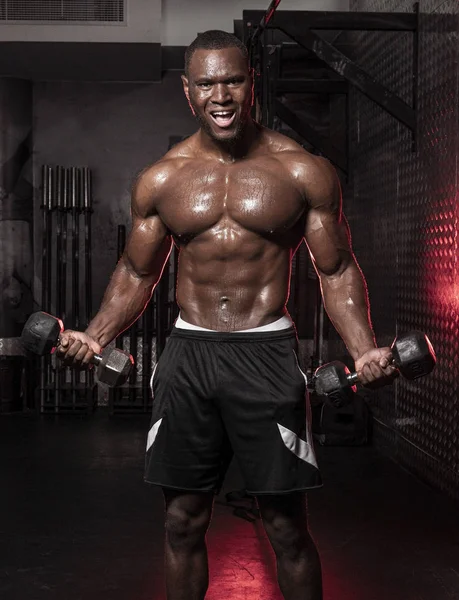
pixel 46 267
pixel 46 206
pixel 87 210
pixel 66 239
pixel 74 202
pixel 286 51
pixel 41 336
pixel 413 356
pixel 61 264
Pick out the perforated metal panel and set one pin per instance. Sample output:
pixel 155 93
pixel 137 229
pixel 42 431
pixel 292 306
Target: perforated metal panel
pixel 63 10
pixel 403 211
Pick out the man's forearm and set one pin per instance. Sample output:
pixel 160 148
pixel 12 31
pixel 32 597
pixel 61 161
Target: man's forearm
pixel 124 301
pixel 346 302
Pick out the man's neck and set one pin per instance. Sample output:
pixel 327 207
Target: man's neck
pixel 229 152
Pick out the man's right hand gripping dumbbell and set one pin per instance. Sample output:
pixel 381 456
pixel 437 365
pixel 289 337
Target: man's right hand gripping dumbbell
pixel 43 333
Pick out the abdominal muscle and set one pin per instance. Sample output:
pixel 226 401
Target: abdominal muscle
pixel 229 292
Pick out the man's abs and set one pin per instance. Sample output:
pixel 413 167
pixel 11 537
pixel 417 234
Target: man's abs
pixel 231 293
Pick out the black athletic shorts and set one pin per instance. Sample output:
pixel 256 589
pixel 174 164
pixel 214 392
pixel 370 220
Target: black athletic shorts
pixel 218 393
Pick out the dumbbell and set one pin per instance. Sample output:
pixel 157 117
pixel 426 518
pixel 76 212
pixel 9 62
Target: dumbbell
pixel 41 336
pixel 413 356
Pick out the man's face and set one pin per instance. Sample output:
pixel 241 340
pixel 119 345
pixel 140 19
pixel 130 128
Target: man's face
pixel 219 90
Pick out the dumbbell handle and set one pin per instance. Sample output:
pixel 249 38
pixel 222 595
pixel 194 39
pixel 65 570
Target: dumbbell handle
pixel 96 359
pixel 352 378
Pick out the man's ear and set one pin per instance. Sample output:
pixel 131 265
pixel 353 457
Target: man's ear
pixel 186 89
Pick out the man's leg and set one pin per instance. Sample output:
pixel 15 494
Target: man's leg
pixel 298 564
pixel 188 516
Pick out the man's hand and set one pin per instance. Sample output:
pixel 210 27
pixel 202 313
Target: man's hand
pixel 375 368
pixel 77 349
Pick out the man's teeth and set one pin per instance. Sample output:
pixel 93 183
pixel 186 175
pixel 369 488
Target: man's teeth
pixel 224 118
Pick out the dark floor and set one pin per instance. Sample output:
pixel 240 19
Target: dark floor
pixel 77 522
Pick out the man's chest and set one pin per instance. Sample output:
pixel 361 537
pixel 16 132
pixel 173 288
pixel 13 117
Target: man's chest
pixel 258 198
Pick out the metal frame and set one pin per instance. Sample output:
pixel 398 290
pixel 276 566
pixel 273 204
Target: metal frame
pixel 301 27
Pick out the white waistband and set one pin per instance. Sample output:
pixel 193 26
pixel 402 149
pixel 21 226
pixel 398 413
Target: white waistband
pixel 284 322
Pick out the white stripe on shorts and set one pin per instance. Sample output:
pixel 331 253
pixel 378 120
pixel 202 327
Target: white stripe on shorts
pixel 154 429
pixel 302 448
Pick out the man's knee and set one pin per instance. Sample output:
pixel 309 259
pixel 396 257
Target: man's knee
pixel 187 523
pixel 287 538
pixel 286 525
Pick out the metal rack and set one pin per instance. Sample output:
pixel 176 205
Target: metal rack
pixel 66 238
pixel 272 35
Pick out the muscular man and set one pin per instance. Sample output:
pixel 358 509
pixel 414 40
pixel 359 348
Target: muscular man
pixel 237 199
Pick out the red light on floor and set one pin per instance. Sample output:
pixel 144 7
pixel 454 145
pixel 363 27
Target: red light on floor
pixel 241 561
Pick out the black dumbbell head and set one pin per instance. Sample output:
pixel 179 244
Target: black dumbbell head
pixel 41 333
pixel 331 381
pixel 414 355
pixel 115 366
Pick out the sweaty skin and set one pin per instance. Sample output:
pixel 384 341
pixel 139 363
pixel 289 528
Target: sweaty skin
pixel 237 200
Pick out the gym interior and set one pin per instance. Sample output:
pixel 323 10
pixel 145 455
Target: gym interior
pixel 91 94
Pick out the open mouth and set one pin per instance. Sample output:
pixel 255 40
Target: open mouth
pixel 223 118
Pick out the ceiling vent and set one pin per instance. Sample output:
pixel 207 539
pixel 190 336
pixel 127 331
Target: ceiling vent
pixel 63 11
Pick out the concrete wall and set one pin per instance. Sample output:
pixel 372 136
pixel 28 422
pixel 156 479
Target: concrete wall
pixel 116 130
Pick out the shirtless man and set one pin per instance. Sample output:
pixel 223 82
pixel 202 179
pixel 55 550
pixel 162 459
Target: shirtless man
pixel 238 200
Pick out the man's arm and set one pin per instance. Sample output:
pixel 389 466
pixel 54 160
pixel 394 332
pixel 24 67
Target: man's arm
pixel 134 279
pixel 343 285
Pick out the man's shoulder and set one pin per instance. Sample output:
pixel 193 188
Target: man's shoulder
pixel 167 167
pixel 278 142
pixel 181 152
pixel 295 158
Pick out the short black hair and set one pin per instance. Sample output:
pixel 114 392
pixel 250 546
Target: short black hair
pixel 214 39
